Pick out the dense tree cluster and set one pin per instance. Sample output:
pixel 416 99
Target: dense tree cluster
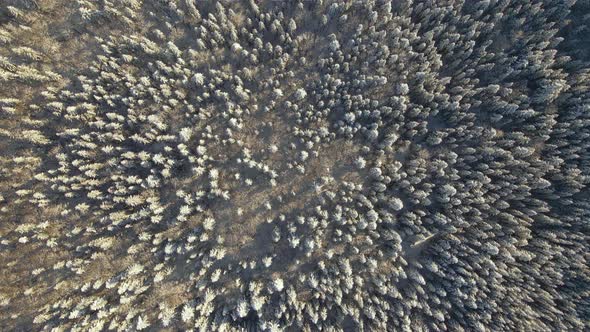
pixel 298 165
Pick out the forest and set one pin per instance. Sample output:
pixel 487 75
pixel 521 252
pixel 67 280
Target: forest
pixel 294 165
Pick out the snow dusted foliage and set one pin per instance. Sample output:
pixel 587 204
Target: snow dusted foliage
pixel 295 165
